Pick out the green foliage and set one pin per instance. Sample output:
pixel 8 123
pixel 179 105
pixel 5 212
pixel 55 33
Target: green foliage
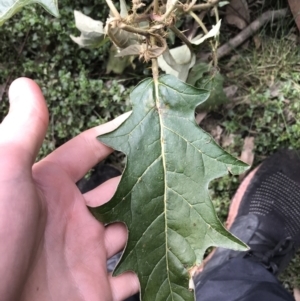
pixel 36 45
pixel 163 197
pixel 273 121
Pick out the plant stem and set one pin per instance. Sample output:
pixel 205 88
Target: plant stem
pixel 155 7
pixel 155 72
pixel 134 29
pixel 190 5
pixel 215 44
pixel 182 37
pixel 214 48
pixel 113 9
pixel 204 6
pixel 199 21
pixel 216 13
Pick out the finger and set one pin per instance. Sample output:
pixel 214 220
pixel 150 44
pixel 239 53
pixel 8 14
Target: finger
pixel 115 238
pixel 83 152
pixel 124 286
pixel 103 193
pixel 23 130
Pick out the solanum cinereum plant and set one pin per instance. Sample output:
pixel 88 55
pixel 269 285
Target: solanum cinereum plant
pixel 163 195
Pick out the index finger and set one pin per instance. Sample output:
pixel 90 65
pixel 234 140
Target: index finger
pixel 80 154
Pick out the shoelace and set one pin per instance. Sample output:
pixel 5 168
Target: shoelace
pixel 271 258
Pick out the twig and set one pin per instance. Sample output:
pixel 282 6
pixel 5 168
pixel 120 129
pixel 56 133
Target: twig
pixel 247 32
pixel 250 30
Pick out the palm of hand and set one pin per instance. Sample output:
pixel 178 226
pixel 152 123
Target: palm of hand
pixel 55 250
pixel 70 264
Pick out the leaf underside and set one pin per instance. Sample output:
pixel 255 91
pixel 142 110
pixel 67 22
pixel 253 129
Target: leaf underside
pixel 163 195
pixel 9 7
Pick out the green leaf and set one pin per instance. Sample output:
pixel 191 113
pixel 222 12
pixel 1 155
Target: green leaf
pixel 163 194
pixel 10 7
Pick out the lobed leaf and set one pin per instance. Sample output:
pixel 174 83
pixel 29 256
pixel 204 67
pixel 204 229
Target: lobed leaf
pixel 163 194
pixel 10 7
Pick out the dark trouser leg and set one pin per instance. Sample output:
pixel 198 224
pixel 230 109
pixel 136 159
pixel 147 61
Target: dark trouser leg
pixel 240 279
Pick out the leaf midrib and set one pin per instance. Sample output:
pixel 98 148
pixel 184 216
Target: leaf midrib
pixel 157 103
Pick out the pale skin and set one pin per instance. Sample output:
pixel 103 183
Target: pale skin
pixel 52 248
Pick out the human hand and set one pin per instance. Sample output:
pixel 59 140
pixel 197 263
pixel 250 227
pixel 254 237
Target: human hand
pixel 52 248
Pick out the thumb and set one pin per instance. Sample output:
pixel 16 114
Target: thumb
pixel 23 130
